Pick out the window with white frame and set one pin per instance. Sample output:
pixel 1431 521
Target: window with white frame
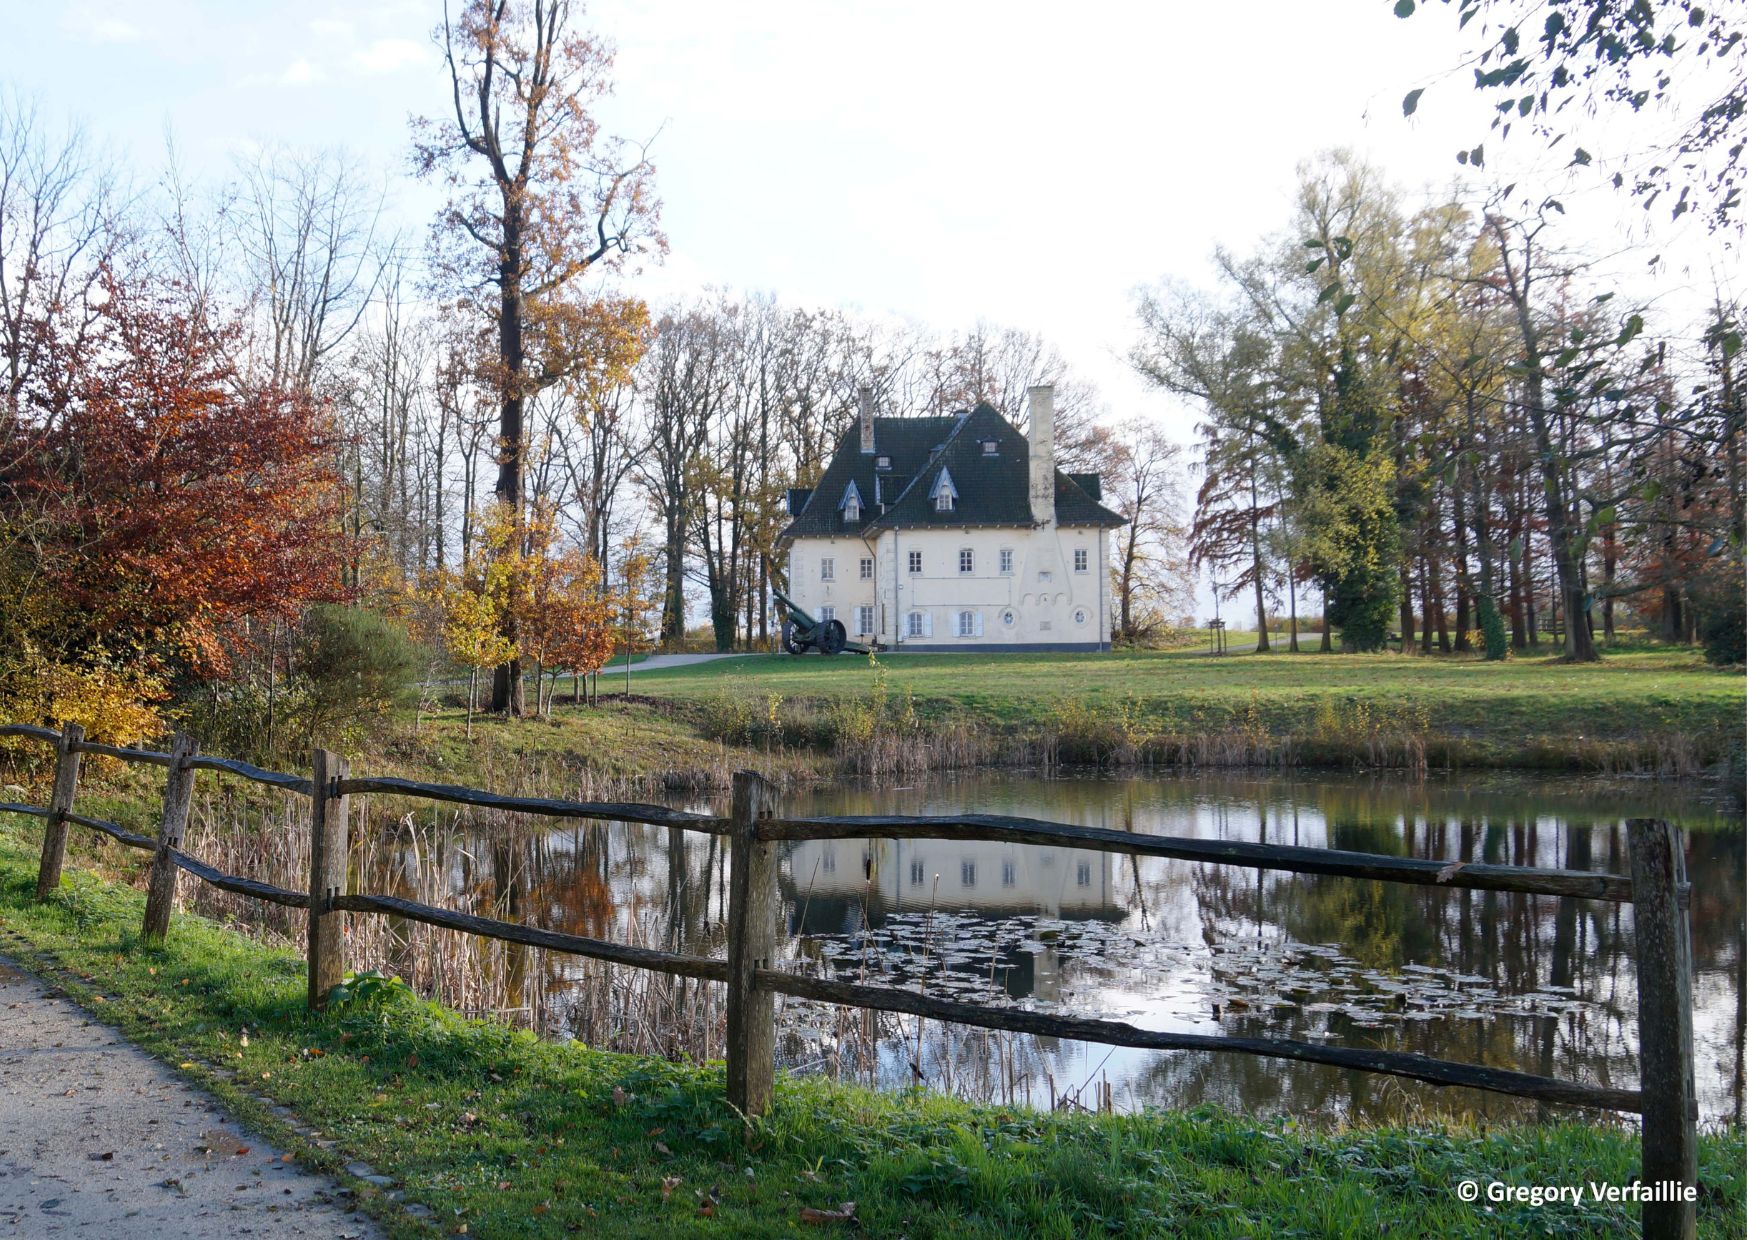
pixel 968 625
pixel 1045 575
pixel 967 561
pixel 851 506
pixel 1007 559
pixel 864 620
pixel 827 613
pixel 1083 874
pixel 916 873
pixel 1080 559
pixel 865 570
pixel 1009 874
pixel 827 569
pixel 968 873
pixel 916 561
pixel 914 625
pixel 944 493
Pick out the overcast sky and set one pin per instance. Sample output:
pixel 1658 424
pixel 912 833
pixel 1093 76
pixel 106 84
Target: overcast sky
pixel 1025 164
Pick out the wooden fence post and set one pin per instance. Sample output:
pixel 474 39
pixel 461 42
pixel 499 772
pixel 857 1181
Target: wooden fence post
pixel 328 841
pixel 752 937
pixel 178 796
pixel 1670 1152
pixel 54 835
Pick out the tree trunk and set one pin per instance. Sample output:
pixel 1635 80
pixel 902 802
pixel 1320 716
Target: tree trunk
pixel 1292 614
pixel 1406 612
pixel 1262 613
pixel 507 677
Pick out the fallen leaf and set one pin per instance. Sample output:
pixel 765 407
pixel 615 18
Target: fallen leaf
pixel 619 1096
pixel 669 1185
pixel 845 1213
pixel 241 1150
pixel 1450 871
pixel 662 1149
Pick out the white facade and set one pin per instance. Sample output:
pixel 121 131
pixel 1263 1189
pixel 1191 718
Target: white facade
pixel 973 542
pixel 1000 588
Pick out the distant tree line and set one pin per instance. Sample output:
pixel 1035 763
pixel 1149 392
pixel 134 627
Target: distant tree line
pixel 1439 422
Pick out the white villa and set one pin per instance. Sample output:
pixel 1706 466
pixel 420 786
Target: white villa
pixel 956 533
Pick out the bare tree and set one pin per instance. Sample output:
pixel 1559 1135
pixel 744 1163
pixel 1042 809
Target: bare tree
pixel 60 210
pixel 308 226
pixel 1145 472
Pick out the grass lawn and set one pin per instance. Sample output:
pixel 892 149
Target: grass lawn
pixel 493 1132
pixel 1529 707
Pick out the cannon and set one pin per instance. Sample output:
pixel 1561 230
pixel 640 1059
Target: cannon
pixel 801 632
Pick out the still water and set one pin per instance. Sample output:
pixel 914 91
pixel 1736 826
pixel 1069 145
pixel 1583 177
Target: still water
pixel 1536 983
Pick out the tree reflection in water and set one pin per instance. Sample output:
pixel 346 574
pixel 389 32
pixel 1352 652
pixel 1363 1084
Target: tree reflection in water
pixel 1529 982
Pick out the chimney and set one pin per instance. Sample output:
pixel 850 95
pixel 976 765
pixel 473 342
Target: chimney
pixel 865 397
pixel 1041 403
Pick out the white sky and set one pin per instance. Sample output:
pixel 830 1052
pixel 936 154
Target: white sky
pixel 1028 164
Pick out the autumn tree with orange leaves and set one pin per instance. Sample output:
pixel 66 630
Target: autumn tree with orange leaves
pixel 154 500
pixel 539 197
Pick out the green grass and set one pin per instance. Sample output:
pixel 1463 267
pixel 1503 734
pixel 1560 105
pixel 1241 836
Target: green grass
pixel 1527 711
pixel 496 1131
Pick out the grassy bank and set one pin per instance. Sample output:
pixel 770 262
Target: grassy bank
pixel 478 1127
pixel 1643 710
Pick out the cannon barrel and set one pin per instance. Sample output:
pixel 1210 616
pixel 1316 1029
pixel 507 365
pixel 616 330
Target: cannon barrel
pixel 801 619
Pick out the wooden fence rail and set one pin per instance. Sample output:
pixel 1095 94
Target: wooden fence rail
pixel 1657 888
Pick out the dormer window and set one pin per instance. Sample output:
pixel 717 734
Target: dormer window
pixel 851 505
pixel 883 464
pixel 944 494
pixel 989 447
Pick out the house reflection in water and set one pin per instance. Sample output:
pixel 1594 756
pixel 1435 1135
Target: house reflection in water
pixel 843 887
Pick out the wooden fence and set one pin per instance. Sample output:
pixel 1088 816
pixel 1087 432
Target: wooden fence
pixel 1657 888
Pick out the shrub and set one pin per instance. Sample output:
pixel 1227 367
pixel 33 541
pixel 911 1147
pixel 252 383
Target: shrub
pixel 1494 641
pixel 1723 631
pixel 353 667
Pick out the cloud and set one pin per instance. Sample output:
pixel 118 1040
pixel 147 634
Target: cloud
pixel 299 72
pixel 331 28
pixel 389 55
pixel 90 23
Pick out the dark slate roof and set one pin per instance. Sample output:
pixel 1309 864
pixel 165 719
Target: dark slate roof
pixel 993 489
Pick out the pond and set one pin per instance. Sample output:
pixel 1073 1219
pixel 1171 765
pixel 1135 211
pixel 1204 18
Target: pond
pixel 1535 983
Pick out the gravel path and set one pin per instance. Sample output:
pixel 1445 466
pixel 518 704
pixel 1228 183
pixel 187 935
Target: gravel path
pixel 656 662
pixel 99 1138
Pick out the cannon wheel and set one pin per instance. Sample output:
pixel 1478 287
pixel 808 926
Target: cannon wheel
pixel 791 642
pixel 832 637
